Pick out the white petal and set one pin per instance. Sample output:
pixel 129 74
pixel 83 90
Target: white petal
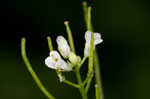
pixel 69 66
pixel 88 36
pixel 55 55
pixel 61 64
pixel 63 46
pixel 86 49
pixel 97 38
pixel 49 61
pixel 55 61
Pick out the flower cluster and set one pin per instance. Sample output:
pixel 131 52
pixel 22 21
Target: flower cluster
pixel 55 61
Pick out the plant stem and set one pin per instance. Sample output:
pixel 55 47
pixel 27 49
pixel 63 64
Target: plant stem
pixel 88 83
pixel 96 60
pixel 97 92
pixel 71 84
pixel 83 60
pixel 33 74
pixel 90 67
pixel 50 43
pixel 98 76
pixel 81 89
pixel 89 75
pixel 91 53
pixel 85 10
pixel 71 41
pixel 89 23
pixel 77 69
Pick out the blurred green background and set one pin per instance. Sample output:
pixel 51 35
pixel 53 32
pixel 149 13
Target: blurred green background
pixel 125 59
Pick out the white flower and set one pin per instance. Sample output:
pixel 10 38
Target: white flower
pixel 74 59
pixel 63 46
pixel 54 61
pixel 97 40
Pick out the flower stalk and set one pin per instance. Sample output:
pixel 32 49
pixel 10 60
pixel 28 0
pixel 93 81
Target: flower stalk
pixel 99 92
pixel 82 90
pixel 82 61
pixel 85 9
pixel 33 74
pixel 77 69
pixel 71 84
pixel 70 37
pixel 89 23
pixel 87 16
pixel 50 43
pixel 90 68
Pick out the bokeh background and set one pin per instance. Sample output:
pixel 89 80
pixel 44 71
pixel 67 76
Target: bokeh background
pixel 125 58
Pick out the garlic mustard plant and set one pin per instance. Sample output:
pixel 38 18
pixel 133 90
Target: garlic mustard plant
pixel 65 59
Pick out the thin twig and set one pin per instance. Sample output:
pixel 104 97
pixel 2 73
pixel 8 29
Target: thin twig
pixel 50 43
pixel 71 41
pixel 33 74
pixel 71 83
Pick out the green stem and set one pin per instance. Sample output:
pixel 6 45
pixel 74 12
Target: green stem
pixel 83 60
pixel 88 83
pixel 71 84
pixel 89 23
pixel 90 68
pixel 29 67
pixel 96 60
pixel 50 43
pixel 91 53
pixel 77 69
pixel 98 75
pixel 85 11
pixel 81 89
pixel 89 76
pixel 97 92
pixel 71 41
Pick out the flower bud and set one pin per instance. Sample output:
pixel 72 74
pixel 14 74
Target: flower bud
pixel 74 59
pixel 63 46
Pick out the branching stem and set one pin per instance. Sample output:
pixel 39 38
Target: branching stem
pixel 87 16
pixel 71 83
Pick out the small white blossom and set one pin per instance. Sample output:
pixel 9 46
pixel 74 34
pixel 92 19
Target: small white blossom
pixel 55 61
pixel 97 40
pixel 63 46
pixel 74 59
